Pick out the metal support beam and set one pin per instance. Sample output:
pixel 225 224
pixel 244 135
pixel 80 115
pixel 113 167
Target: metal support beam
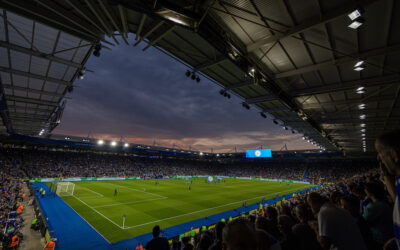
pixel 278 109
pixel 14 116
pixel 347 102
pixel 23 73
pixel 327 17
pixel 31 100
pixel 33 11
pixel 287 117
pixel 207 65
pixel 159 37
pixel 123 19
pixel 260 99
pixel 149 32
pixel 38 54
pixel 36 91
pixel 18 108
pixel 139 30
pixel 240 84
pixel 110 17
pixel 340 60
pixel 348 85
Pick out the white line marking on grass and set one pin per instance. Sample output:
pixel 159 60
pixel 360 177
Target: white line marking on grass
pixel 105 217
pixel 286 191
pixel 87 222
pixel 98 194
pixel 137 190
pixel 131 202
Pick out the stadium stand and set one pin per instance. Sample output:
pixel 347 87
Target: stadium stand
pixel 285 222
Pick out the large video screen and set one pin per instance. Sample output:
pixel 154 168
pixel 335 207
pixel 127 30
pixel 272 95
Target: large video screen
pixel 258 153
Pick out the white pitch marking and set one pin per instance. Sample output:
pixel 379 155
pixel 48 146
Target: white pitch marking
pixel 99 195
pixel 98 212
pixel 208 209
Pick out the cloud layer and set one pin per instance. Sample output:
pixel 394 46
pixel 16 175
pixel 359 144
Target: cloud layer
pixel 146 97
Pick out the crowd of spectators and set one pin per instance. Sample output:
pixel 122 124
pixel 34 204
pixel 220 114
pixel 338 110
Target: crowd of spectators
pixel 11 208
pixel 63 164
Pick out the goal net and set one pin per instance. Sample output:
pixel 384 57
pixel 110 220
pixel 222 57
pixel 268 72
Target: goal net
pixel 65 189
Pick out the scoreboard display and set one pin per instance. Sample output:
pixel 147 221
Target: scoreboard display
pixel 258 153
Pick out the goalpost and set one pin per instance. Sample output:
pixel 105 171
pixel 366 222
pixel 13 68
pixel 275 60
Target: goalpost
pixel 65 189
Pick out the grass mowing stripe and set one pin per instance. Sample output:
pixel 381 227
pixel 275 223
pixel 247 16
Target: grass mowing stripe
pixel 135 189
pixel 132 202
pixel 102 215
pixel 170 203
pixel 198 211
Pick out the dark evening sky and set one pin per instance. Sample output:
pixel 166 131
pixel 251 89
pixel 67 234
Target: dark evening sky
pixel 145 96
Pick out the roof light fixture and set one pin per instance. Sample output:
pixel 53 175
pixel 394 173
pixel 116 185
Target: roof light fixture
pixel 354 14
pixel 100 142
pixel 357 23
pixel 113 143
pixel 126 145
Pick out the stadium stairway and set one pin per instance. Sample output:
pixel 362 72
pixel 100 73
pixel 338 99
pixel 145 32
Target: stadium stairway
pixel 73 232
pixel 305 175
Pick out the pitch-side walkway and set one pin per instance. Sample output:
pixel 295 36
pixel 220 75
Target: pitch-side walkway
pixel 32 239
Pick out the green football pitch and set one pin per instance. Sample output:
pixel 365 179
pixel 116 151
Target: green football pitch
pixel 169 203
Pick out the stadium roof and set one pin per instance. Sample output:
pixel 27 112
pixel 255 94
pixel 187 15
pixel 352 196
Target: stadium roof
pixel 292 59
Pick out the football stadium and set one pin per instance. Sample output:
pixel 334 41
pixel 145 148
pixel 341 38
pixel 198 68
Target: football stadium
pixel 283 116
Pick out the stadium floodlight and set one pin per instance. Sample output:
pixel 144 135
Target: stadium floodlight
pixel 81 73
pixel 363 125
pixel 363 135
pixel 355 14
pixel 113 143
pixel 362 117
pixel 363 130
pixel 217 155
pixel 360 90
pixel 197 79
pixel 41 132
pixel 187 73
pixel 96 51
pixel 275 121
pixel 263 115
pixel 193 76
pixel 100 142
pixel 359 63
pixel 357 23
pixel 361 106
pixel 201 153
pixel 245 105
pixel 126 145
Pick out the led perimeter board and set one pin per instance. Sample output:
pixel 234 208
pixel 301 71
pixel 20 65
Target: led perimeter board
pixel 258 153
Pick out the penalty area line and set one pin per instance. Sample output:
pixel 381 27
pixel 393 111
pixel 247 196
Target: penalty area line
pixel 102 215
